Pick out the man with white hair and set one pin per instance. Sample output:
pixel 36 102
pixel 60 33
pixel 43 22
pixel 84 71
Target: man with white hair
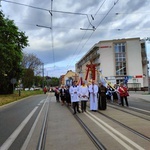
pixel 93 89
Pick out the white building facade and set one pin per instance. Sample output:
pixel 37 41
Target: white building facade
pixel 121 60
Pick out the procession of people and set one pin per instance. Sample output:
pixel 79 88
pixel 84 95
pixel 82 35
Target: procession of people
pixel 96 94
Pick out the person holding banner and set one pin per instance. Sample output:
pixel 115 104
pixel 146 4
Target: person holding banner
pixel 123 91
pixel 93 90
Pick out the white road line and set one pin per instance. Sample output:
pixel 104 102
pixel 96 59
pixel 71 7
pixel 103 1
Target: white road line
pixel 13 136
pixel 94 118
pixel 24 147
pixel 140 109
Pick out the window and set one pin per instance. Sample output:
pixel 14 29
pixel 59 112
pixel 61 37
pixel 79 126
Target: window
pixel 120 58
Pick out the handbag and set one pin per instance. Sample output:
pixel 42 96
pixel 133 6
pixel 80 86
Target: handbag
pixel 127 93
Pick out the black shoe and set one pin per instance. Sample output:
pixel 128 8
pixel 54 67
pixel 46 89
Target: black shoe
pixel 78 111
pixel 74 113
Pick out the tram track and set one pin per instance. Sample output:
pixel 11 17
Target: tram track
pixel 126 127
pixel 93 138
pixel 126 110
pixel 42 137
pixel 100 121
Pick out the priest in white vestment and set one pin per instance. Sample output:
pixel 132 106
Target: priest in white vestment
pixel 93 90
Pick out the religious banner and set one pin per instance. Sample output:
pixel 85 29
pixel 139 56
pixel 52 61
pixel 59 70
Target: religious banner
pixel 91 68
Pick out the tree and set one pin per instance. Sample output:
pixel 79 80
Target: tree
pixel 30 61
pixel 32 68
pixel 54 81
pixel 12 42
pixel 28 78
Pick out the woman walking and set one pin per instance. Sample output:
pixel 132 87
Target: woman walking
pixel 123 91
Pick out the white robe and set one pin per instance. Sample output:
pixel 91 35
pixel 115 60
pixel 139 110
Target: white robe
pixel 83 93
pixel 74 93
pixel 93 89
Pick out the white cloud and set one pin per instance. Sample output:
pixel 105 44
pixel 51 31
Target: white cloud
pixel 69 42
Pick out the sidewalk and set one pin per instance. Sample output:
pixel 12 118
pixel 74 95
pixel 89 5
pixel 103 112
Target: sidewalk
pixel 140 94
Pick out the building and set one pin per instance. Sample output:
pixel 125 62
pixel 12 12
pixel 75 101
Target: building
pixel 68 78
pixel 120 60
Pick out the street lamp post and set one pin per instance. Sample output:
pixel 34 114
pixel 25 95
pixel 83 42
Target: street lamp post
pixel 43 75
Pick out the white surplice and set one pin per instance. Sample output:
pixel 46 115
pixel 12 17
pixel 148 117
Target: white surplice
pixel 83 93
pixel 74 93
pixel 93 89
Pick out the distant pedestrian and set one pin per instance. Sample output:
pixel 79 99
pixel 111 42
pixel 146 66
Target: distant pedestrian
pixel 84 96
pixel 45 90
pixel 123 91
pixel 109 93
pixel 118 94
pixel 93 89
pixel 57 92
pixel 63 94
pixel 68 97
pixel 74 92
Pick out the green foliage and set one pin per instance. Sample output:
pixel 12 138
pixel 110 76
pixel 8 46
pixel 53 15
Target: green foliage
pixel 53 81
pixel 38 81
pixel 27 78
pixel 12 42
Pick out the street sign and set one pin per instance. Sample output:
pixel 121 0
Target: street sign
pixel 13 80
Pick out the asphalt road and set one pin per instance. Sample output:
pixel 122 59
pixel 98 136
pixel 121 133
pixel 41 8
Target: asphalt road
pixel 12 115
pixel 16 119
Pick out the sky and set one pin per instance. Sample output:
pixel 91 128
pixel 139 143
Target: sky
pixel 61 32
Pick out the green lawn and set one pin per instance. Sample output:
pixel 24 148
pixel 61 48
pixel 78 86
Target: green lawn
pixel 5 99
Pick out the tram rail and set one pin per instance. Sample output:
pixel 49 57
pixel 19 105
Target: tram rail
pixel 93 138
pixel 105 125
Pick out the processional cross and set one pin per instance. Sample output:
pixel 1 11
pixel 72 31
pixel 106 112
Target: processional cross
pixel 92 68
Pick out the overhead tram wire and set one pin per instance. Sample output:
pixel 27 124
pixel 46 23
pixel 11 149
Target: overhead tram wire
pixel 25 5
pixel 107 13
pixel 102 20
pixel 62 11
pixel 100 23
pixel 66 13
pixel 50 11
pixel 86 32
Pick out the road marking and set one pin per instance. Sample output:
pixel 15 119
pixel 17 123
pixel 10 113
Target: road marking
pixel 140 109
pixel 13 136
pixel 24 147
pixel 94 118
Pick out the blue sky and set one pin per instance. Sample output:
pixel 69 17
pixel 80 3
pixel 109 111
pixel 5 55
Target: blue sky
pixel 62 46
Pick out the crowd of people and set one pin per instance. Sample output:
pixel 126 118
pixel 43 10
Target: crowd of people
pixel 97 94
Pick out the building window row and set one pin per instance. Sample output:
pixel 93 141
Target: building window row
pixel 120 58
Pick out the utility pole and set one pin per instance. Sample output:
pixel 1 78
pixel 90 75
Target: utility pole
pixel 43 75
